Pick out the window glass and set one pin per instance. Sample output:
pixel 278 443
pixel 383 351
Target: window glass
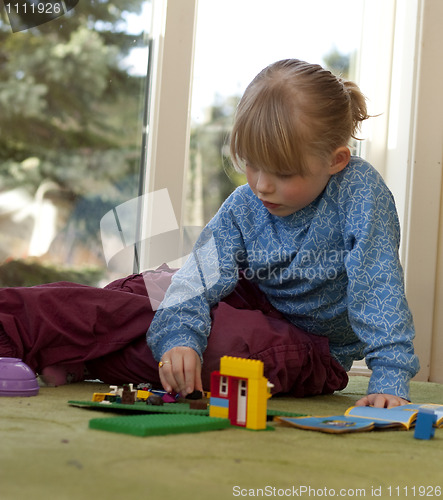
pixel 223 386
pixel 234 41
pixel 72 92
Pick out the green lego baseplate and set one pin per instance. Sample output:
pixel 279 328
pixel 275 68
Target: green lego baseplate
pixel 281 413
pixel 142 407
pixel 158 425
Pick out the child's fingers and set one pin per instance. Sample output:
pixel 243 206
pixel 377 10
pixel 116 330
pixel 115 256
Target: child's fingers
pixel 166 377
pixel 170 370
pixel 180 370
pixel 381 401
pixel 192 372
pixel 171 375
pixel 363 402
pixel 189 375
pixel 198 386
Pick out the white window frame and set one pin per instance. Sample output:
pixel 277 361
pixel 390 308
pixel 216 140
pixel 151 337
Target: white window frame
pixel 167 152
pixel 223 391
pixel 424 191
pixel 402 76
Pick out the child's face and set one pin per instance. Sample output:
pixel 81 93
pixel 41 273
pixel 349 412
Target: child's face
pixel 285 194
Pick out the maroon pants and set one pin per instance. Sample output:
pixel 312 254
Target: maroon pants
pixel 106 329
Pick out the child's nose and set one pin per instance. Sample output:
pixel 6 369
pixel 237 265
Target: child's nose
pixel 264 183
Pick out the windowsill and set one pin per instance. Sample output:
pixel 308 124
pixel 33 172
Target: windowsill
pixel 360 368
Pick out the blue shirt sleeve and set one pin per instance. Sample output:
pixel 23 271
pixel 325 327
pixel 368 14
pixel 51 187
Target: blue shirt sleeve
pixel 377 306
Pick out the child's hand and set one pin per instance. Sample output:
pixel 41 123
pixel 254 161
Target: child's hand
pixel 180 371
pixel 381 401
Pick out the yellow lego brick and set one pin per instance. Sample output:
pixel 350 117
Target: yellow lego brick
pixel 98 397
pixel 257 404
pixel 141 394
pixel 218 411
pixel 241 367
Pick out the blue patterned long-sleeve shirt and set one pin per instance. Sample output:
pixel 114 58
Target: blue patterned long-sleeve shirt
pixel 332 269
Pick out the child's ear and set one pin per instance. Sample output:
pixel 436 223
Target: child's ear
pixel 340 158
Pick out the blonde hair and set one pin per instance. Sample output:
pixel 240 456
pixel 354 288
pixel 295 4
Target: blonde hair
pixel 293 109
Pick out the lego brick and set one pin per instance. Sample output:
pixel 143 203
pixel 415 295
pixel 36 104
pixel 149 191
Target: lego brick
pixel 98 397
pixel 198 404
pixel 195 395
pixel 218 411
pixel 257 402
pixel 240 367
pixel 158 425
pixel 142 394
pixel 221 402
pixel 424 425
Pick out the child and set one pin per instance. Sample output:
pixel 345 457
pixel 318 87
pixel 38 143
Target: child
pixel 299 268
pixel 314 228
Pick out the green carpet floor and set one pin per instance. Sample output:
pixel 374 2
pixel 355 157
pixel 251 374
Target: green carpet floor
pixel 48 452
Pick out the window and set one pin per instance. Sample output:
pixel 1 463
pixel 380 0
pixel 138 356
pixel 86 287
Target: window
pixel 73 93
pixel 223 386
pixel 234 41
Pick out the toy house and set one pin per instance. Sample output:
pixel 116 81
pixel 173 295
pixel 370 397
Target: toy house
pixel 239 391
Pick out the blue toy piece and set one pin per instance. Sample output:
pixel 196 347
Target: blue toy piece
pixel 424 425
